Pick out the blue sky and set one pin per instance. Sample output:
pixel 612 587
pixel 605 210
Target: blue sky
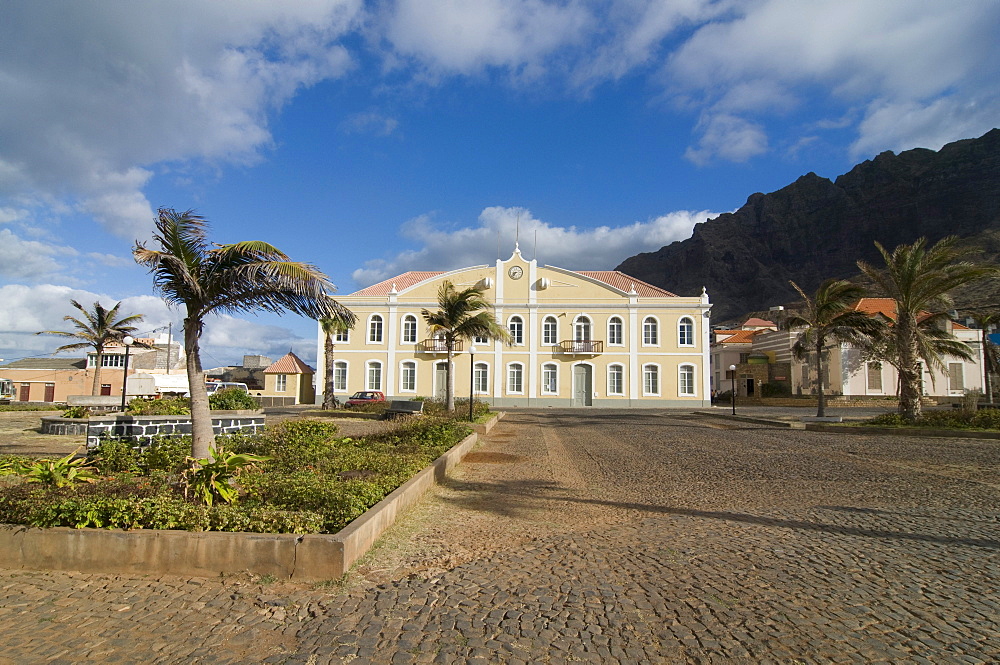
pixel 371 138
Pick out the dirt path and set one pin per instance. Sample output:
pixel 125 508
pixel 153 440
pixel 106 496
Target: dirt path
pixel 20 435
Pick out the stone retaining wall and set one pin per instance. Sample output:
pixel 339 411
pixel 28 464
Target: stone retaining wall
pixel 145 428
pixel 64 426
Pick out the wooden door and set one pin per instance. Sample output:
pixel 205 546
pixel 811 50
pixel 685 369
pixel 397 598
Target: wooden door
pixel 25 392
pixel 50 392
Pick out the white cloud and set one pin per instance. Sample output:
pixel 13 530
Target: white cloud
pixel 30 259
pixel 600 248
pixel 371 122
pixel 455 36
pixel 926 72
pixel 95 92
pixel 727 137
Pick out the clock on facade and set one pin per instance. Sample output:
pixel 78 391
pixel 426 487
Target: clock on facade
pixel 515 272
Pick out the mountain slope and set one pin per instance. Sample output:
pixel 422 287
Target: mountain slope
pixel 814 228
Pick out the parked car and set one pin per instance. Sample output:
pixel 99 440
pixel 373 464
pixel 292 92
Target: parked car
pixel 215 386
pixel 363 397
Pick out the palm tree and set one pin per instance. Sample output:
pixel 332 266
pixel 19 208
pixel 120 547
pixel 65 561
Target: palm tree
pixel 206 278
pixel 98 327
pixel 330 327
pixel 829 317
pixel 918 279
pixel 461 315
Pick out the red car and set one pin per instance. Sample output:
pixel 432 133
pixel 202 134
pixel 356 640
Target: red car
pixel 363 397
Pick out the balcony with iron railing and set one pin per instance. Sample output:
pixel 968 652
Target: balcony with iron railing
pixel 435 345
pixel 582 346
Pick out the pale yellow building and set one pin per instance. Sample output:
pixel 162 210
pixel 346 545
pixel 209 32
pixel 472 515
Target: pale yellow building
pixel 580 338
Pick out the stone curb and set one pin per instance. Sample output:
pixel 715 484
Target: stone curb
pixel 309 557
pixel 751 419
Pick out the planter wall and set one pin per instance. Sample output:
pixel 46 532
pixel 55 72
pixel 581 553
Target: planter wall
pixel 145 428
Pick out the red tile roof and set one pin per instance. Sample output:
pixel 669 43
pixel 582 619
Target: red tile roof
pixel 404 281
pixel 759 323
pixel 737 336
pixel 289 364
pixel 613 278
pixel 626 283
pixel 884 306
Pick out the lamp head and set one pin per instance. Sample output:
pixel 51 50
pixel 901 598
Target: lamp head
pixel 128 340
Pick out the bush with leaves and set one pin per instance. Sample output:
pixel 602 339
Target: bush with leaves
pixel 232 399
pixel 166 453
pixel 76 412
pixel 173 406
pixel 59 472
pixel 115 455
pixel 214 478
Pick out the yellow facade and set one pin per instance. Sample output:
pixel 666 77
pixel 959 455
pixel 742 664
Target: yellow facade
pixel 582 339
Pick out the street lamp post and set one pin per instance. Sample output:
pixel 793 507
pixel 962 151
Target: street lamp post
pixel 127 341
pixel 732 373
pixel 472 380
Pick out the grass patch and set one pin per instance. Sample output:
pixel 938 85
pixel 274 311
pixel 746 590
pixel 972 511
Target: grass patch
pixel 32 407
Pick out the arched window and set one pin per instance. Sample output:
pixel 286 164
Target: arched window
pixel 581 329
pixel 375 328
pixel 685 331
pixel 516 327
pixel 409 329
pixel 685 380
pixel 408 377
pixel 616 380
pixel 616 332
pixel 515 378
pixel 481 379
pixel 550 379
pixel 650 332
pixel 550 331
pixel 340 375
pixel 650 379
pixel 373 375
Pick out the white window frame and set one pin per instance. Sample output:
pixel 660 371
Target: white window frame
pixel 621 374
pixel 547 338
pixel 371 330
pixel 680 328
pixel 408 325
pixel 585 323
pixel 337 364
pixel 480 341
pixel 280 383
pixel 687 368
pixel 554 368
pixel 961 376
pixel 403 367
pixel 658 375
pixel 108 360
pixel 481 378
pixel 509 376
pixel 342 337
pixel 646 320
pixel 369 366
pixel 621 331
pixel 516 339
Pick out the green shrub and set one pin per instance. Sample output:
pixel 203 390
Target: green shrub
pixel 58 472
pixel 232 399
pixel 31 407
pixel 76 412
pixel 775 389
pixel 174 406
pixel 986 419
pixel 214 478
pixel 115 456
pixel 166 453
pixel 373 407
pixel 887 420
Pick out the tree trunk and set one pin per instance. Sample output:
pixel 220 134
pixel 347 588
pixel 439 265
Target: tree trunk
pixel 202 436
pixel 95 389
pixel 328 372
pixel 449 390
pixel 820 395
pixel 909 375
pixel 987 386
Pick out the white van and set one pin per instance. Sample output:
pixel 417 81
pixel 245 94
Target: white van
pixel 215 386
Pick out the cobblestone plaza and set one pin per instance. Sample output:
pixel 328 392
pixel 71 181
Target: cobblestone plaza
pixel 631 536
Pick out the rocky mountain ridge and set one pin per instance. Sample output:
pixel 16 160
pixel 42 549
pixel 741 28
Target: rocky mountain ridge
pixel 815 228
